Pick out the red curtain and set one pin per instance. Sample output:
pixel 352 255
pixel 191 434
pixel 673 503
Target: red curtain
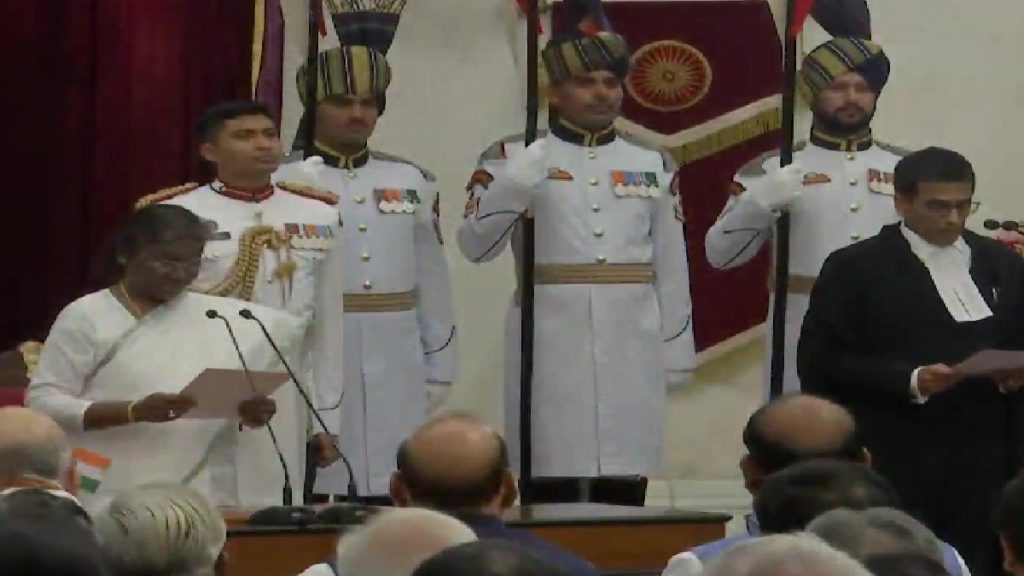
pixel 100 104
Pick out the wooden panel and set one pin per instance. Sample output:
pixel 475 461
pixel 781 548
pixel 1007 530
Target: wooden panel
pixel 277 554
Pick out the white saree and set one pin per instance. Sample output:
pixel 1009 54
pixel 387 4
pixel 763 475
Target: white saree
pixel 96 351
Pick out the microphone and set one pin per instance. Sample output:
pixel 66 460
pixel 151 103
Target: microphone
pixel 353 495
pixel 286 491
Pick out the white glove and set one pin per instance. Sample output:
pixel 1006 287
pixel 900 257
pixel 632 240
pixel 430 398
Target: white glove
pixel 529 167
pixel 437 394
pixel 309 171
pixel 782 188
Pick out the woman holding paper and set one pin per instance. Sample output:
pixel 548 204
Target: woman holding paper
pixel 115 361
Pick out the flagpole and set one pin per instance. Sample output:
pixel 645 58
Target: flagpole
pixel 781 266
pixel 527 261
pixel 312 50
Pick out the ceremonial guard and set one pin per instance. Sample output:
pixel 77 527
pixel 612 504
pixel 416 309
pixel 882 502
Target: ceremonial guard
pixel 399 318
pixel 274 244
pixel 838 190
pixel 612 301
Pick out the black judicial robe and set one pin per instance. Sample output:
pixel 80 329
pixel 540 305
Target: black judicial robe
pixel 874 316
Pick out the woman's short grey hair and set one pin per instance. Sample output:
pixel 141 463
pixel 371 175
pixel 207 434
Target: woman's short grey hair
pixel 797 554
pixel 864 533
pixel 161 530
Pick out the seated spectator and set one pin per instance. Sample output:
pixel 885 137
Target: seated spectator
pixel 1010 524
pixel 876 531
pixel 904 564
pixel 784 555
pixel 394 543
pixel 487 558
pixel 42 533
pixel 34 452
pixel 457 465
pixel 791 429
pixel 162 530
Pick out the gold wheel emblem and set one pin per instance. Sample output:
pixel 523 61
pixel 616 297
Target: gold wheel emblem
pixel 668 76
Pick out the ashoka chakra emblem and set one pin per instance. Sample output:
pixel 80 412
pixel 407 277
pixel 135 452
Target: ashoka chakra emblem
pixel 669 76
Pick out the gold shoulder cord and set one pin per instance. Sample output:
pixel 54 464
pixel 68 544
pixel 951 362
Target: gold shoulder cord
pixel 241 280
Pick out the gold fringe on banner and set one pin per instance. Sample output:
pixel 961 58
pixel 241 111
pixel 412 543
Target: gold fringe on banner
pixel 259 28
pixel 727 137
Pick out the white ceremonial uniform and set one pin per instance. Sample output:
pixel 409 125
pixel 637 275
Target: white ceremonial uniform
pixel 607 342
pixel 299 271
pixel 847 195
pixel 399 317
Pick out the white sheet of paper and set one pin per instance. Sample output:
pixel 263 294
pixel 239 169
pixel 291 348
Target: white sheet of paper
pixel 219 391
pixel 989 361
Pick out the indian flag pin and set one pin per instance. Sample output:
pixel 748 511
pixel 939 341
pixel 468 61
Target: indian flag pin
pixel 90 468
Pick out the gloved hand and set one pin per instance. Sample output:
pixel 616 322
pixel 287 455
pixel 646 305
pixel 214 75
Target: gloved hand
pixel 309 172
pixel 437 395
pixel 529 168
pixel 783 187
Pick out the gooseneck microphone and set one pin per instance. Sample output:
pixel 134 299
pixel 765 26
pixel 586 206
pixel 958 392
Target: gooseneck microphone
pixel 353 495
pixel 286 491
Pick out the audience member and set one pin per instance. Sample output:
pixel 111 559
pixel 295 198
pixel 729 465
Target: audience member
pixel 34 452
pixel 874 532
pixel 785 555
pixel 487 558
pixel 904 564
pixel 1010 524
pixel 42 533
pixel 162 530
pixel 457 465
pixel 394 543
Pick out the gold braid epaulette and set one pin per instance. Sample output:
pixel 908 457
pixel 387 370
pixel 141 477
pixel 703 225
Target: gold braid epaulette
pixel 329 198
pixel 165 194
pixel 241 279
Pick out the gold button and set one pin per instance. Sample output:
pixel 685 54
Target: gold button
pixel 591 154
pixel 853 181
pixel 365 257
pixel 362 227
pixel 351 174
pixel 854 207
pixel 367 285
pixel 851 156
pixel 593 181
pixel 854 237
pixel 360 199
pixel 595 208
pixel 601 259
pixel 598 232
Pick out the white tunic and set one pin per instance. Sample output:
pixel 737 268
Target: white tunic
pixel 98 352
pixel 847 196
pixel 603 353
pixel 391 245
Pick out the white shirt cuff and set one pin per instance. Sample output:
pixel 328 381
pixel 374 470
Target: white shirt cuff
pixel 915 393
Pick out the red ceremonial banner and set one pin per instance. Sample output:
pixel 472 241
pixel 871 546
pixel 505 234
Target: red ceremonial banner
pixel 694 62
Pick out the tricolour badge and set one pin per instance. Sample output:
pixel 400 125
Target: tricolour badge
pixel 396 200
pixel 881 182
pixel 642 184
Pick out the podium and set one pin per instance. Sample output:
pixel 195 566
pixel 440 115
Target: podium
pixel 622 539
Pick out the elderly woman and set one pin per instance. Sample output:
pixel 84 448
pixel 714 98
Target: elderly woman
pixel 162 530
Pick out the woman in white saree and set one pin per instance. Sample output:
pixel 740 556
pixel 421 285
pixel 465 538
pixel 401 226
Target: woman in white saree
pixel 115 361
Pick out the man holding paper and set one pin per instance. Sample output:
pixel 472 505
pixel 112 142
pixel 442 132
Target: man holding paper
pixel 890 320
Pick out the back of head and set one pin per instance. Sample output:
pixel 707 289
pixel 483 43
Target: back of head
pixel 791 498
pixel 32 447
pixel 931 165
pixel 41 533
pixel 487 558
pixel 1010 518
pixel 799 427
pixel 161 530
pixel 784 555
pixel 875 531
pixel 396 541
pixel 904 564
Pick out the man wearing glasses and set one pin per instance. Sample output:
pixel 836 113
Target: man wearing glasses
pixel 889 320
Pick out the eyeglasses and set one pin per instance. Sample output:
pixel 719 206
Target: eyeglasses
pixel 943 207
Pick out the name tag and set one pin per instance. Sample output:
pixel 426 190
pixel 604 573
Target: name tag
pixel 635 184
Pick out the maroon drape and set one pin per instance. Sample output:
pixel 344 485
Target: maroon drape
pixel 100 100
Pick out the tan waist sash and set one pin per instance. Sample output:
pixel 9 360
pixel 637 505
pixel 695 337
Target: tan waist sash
pixel 640 273
pixel 385 302
pixel 796 284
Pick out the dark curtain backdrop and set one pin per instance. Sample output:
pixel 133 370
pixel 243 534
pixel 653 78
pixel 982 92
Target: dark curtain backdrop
pixel 100 99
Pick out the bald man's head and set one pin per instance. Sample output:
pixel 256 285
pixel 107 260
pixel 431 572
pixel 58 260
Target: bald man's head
pixel 795 428
pixel 454 463
pixel 32 446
